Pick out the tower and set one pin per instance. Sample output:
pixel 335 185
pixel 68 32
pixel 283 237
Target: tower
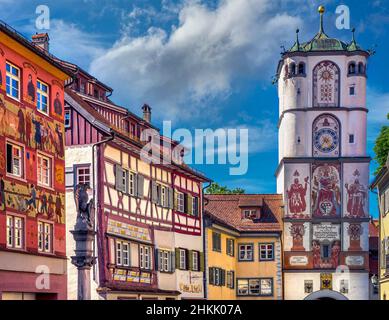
pixel 323 168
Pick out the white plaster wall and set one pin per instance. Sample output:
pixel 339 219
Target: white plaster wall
pixel 358 284
pixel 74 156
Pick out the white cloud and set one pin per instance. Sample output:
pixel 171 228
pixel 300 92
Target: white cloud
pixel 181 71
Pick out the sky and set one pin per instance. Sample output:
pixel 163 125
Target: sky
pixel 207 64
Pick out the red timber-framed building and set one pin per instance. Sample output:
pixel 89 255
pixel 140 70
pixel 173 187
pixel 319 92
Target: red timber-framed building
pixel 149 215
pixel 32 166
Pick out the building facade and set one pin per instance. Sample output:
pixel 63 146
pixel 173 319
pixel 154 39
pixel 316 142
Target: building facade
pixel 381 183
pixel 32 167
pixel 323 170
pixel 243 247
pixel 149 242
pixel 374 238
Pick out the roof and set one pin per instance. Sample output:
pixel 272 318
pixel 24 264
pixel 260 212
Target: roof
pixel 11 32
pixel 227 210
pixel 322 42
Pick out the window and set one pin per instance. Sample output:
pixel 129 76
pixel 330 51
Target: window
pixel 15 232
pixel 351 68
pixel 230 279
pixel 350 138
pixel 266 252
pixel 195 206
pixel 325 251
pixel 255 287
pixel 42 97
pixel 249 214
pixel 246 252
pixel 45 237
pixel 195 261
pixel 217 276
pixel 44 170
pixel 15 159
pixel 308 286
pixel 68 122
pixel 121 179
pixel 131 185
pixel 165 261
pixel 122 253
pixel 352 91
pixel 361 68
pixel 183 259
pixel 145 257
pixel 83 175
pixel 301 68
pixel 180 202
pixel 216 242
pixel 292 69
pixel 12 81
pixel 164 197
pixel 230 247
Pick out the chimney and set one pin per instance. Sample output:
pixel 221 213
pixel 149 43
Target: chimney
pixel 146 113
pixel 41 40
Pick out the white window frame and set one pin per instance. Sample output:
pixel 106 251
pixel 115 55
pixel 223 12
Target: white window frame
pixel 180 202
pixel 21 160
pixel 145 257
pixel 195 261
pixel 9 77
pixel 119 257
pixel 45 237
pixel 244 247
pixel 15 232
pixel 164 196
pixel 164 261
pixel 41 93
pixel 84 175
pixel 131 183
pixel 125 254
pixel 182 259
pixel 266 248
pixel 40 158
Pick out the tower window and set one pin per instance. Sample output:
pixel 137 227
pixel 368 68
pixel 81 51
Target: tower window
pixel 301 68
pixel 361 68
pixel 351 138
pixel 292 69
pixel 352 91
pixel 352 68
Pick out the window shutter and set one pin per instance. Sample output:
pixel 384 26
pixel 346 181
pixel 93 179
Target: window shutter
pixel 140 185
pixel 211 276
pixel 118 175
pixel 156 260
pixel 202 261
pixel 69 177
pixel 190 260
pixel 188 266
pixel 175 206
pixel 190 204
pixel 232 279
pixel 170 198
pixel 127 182
pixel 178 259
pixel 154 195
pixel 172 261
pixel 186 203
pixel 196 206
pixel 223 277
pixel 135 177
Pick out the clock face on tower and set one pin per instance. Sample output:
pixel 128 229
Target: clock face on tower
pixel 326 140
pixel 326 136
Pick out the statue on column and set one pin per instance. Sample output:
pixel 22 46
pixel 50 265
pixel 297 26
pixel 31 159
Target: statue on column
pixel 84 206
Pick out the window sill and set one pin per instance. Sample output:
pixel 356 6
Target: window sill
pixel 13 98
pixel 12 176
pixel 50 188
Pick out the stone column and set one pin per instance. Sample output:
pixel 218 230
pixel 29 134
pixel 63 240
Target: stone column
pixel 83 260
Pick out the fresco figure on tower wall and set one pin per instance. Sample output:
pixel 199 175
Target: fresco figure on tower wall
pixel 296 196
pixel 356 197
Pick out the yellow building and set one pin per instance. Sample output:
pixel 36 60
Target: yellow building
pixel 243 247
pixel 381 183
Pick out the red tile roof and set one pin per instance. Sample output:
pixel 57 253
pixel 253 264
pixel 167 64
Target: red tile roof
pixel 227 209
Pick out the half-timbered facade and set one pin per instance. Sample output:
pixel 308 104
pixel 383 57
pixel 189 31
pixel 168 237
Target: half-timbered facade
pixel 148 215
pixel 32 186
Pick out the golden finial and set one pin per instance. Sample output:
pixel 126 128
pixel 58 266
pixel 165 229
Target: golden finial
pixel 321 9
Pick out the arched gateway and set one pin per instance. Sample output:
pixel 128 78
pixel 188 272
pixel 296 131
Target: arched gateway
pixel 326 295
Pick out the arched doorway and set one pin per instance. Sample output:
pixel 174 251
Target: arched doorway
pixel 326 295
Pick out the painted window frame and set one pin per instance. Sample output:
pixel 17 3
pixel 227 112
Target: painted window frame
pixel 183 259
pixel 122 255
pixel 84 175
pixel 45 237
pixel 21 157
pixel 230 279
pixel 195 261
pixel 49 170
pixel 68 118
pixel 145 257
pixel 180 202
pixel 266 250
pixel 41 93
pixel 11 235
pixel 250 291
pixel 240 245
pixel 165 261
pixel 9 76
pixel 230 247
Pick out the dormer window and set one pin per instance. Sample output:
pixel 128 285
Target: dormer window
pixel 249 214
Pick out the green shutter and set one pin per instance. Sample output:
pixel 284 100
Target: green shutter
pixel 223 277
pixel 175 206
pixel 188 266
pixel 186 203
pixel 118 180
pixel 202 261
pixel 172 261
pixel 190 260
pixel 156 260
pixel 211 276
pixel 190 204
pixel 178 259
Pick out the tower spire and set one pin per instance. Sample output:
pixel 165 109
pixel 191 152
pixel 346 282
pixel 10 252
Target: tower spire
pixel 321 10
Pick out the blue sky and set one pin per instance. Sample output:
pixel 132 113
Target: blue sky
pixel 206 64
